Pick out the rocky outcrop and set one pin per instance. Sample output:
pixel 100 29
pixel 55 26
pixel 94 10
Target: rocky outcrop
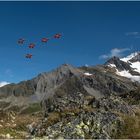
pixel 81 117
pixel 121 65
pixel 115 104
pixel 94 125
pixel 136 58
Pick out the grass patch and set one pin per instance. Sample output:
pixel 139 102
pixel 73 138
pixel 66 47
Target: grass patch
pixel 131 129
pixel 53 118
pixel 32 108
pixel 13 133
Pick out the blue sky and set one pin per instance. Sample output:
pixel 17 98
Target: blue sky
pixel 91 33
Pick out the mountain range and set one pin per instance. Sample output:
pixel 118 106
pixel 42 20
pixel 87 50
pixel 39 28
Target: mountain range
pixel 75 102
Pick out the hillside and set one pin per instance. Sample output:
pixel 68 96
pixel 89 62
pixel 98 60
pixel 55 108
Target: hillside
pixel 75 102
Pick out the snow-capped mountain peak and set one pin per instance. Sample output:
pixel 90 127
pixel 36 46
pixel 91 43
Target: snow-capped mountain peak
pixel 134 56
pixel 133 60
pixel 127 67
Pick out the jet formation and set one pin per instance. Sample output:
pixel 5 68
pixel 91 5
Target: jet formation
pixel 22 41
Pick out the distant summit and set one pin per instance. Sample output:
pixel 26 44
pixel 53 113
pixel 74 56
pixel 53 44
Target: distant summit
pixel 134 57
pixel 127 67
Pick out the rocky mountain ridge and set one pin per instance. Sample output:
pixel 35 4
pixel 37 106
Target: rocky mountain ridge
pixel 128 67
pixel 74 102
pixel 101 82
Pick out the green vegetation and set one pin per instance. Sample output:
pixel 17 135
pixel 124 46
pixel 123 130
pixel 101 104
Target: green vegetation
pixel 13 133
pixel 132 98
pixel 131 128
pixel 32 108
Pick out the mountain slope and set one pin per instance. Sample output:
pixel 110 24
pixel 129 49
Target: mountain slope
pixel 87 102
pixel 128 67
pixel 100 82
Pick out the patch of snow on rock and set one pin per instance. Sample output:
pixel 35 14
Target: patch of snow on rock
pixel 128 75
pixel 112 65
pixel 136 66
pixel 88 74
pixel 126 59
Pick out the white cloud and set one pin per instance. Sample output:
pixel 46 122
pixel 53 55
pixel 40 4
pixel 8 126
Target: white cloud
pixel 3 83
pixel 104 56
pixel 114 52
pixel 132 33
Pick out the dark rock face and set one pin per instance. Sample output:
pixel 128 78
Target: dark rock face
pixel 107 82
pixel 121 65
pixel 136 58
